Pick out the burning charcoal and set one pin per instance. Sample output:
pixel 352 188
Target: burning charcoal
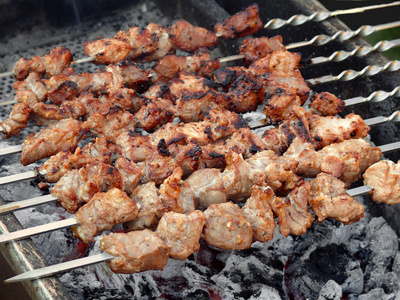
pixel 330 291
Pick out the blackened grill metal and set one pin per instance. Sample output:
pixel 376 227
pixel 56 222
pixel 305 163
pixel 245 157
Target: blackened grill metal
pixel 23 255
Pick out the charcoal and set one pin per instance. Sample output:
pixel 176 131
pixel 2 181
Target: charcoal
pixel 330 291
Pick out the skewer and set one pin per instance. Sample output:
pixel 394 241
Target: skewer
pixel 320 16
pixel 295 20
pixel 48 198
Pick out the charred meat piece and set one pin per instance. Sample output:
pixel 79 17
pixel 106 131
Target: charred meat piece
pixel 163 45
pixel 226 227
pixel 101 150
pixel 282 61
pixel 327 104
pixel 102 212
pixel 31 89
pixel 294 214
pixel 241 24
pixel 327 130
pixel 151 208
pixel 143 42
pixel 297 125
pixel 187 37
pixel 154 114
pixel 135 251
pixel 130 75
pixel 78 186
pixel 383 177
pixel 170 65
pixel 181 233
pixel 49 65
pixel 130 172
pixel 254 49
pixel 111 124
pixel 329 199
pixel 312 162
pixel 357 155
pixel 258 212
pixel 278 107
pixel 63 135
pixel 108 51
pixel 134 146
pixel 17 120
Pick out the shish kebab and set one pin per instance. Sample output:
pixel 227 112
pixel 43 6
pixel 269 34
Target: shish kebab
pixel 164 241
pixel 347 160
pixel 45 65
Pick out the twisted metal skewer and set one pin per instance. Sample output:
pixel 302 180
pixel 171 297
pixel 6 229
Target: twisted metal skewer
pixel 375 97
pixel 320 16
pixel 342 55
pixel 348 75
pixel 343 35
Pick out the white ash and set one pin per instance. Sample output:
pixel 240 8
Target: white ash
pixel 330 291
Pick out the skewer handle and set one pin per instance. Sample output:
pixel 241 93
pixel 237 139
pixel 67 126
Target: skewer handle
pixel 10 150
pixel 26 203
pixel 17 177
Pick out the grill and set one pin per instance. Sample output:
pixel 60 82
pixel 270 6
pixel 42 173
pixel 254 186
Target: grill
pixel 366 256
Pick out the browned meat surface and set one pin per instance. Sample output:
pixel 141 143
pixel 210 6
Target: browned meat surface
pixel 17 120
pixel 312 162
pixel 279 61
pixel 357 155
pixel 108 51
pixel 329 199
pixel 181 233
pixel 294 215
pixel 327 104
pixel 170 191
pixel 278 107
pixel 101 151
pixel 64 87
pixel 278 172
pixel 129 75
pixel 102 212
pixel 143 42
pixel 130 172
pixel 63 135
pixel 154 114
pixel 236 177
pixel 164 45
pixel 383 177
pixel 24 67
pixel 134 146
pixel 297 125
pixel 157 167
pixel 207 187
pixel 31 89
pixel 78 186
pixel 111 124
pixel 151 207
pixel 256 48
pixel 135 251
pixel 187 37
pixel 328 130
pixel 226 227
pixel 170 65
pixel 241 24
pixel 258 212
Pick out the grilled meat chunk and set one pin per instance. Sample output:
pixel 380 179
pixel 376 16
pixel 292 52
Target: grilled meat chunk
pixel 278 107
pixel 78 186
pixel 294 215
pixel 258 212
pixel 135 251
pixel 49 65
pixel 111 124
pixel 241 24
pixel 129 74
pixel 327 130
pixel 154 114
pixel 207 187
pixel 101 151
pixel 163 45
pixel 187 37
pixel 312 162
pixel 17 120
pixel 383 178
pixel 56 137
pixel 151 207
pixel 130 172
pixel 282 60
pixel 102 212
pixel 181 233
pixel 329 199
pixel 357 155
pixel 143 42
pixel 256 48
pixel 327 104
pixel 31 89
pixel 134 146
pixel 108 51
pixel 226 227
